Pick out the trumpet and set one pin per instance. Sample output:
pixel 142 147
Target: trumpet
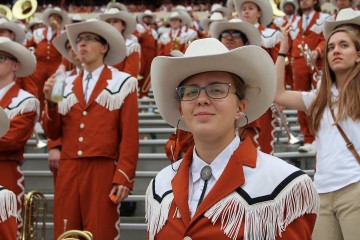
pixel 34 208
pixel 306 52
pixel 283 124
pixel 76 234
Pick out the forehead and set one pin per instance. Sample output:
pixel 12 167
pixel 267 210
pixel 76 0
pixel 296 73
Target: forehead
pixel 87 34
pixel 209 77
pixel 230 31
pixel 339 36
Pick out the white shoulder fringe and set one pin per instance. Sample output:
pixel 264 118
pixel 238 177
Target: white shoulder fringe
pixel 67 102
pixel 133 47
pixel 270 38
pixel 30 104
pixel 156 213
pixel 265 220
pixel 114 100
pixel 8 205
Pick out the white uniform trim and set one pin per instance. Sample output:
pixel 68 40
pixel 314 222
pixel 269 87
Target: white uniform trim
pixel 24 102
pixel 8 205
pixel 131 47
pixel 270 37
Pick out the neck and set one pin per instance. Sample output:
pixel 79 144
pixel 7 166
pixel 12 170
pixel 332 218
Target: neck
pixel 90 67
pixel 208 149
pixel 5 81
pixel 340 79
pixel 307 11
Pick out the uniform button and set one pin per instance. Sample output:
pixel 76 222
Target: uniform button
pixel 48 46
pixel 47 58
pixel 187 238
pixel 82 125
pixel 79 153
pixel 84 113
pixel 81 139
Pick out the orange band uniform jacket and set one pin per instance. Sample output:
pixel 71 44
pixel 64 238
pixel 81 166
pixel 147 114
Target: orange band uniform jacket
pixel 106 127
pixel 131 63
pixel 22 109
pixel 244 203
pixel 172 40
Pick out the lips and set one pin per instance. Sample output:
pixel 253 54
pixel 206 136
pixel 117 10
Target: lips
pixel 199 114
pixel 336 59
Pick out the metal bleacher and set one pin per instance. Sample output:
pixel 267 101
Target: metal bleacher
pixel 154 133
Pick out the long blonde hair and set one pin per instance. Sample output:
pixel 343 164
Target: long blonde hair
pixel 349 98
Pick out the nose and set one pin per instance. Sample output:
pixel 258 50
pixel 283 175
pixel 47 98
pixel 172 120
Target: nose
pixel 203 98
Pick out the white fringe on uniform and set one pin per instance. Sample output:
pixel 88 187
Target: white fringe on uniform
pixel 8 205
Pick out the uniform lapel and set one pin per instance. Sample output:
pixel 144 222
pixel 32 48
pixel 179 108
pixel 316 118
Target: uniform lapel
pixel 312 21
pixel 100 85
pixel 78 89
pixel 232 177
pixel 180 186
pixel 11 93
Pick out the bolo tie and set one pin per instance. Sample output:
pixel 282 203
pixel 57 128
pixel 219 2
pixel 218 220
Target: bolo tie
pixel 205 175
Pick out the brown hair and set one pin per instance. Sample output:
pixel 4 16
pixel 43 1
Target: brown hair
pixel 349 98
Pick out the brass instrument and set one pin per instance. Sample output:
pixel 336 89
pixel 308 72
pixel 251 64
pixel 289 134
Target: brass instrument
pixel 283 124
pixel 34 209
pixel 76 234
pixel 6 11
pixel 24 9
pixel 306 52
pixel 276 11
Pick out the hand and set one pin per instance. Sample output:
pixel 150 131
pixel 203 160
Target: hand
pixel 54 158
pixel 120 191
pixel 314 55
pixel 48 87
pixel 284 43
pixel 54 24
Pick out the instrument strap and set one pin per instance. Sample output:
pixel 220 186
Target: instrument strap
pixel 349 144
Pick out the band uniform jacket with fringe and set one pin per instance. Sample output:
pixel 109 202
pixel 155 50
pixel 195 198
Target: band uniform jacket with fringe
pixel 257 197
pixel 106 126
pixel 8 214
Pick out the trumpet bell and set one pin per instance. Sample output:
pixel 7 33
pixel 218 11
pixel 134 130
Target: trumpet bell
pixel 276 11
pixel 6 11
pixel 76 234
pixel 24 9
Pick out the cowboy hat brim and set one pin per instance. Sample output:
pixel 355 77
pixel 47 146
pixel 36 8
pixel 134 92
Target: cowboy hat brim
pixel 330 24
pixel 117 47
pixel 124 16
pixel 16 29
pixel 258 74
pixel 59 43
pixel 140 17
pixel 25 58
pixel 249 30
pixel 265 7
pixel 4 123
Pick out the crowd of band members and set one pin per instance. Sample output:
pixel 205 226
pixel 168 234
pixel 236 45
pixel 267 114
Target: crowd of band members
pixel 144 39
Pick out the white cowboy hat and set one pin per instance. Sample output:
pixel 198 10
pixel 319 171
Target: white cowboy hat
pixel 34 21
pixel 221 9
pixel 293 2
pixel 354 3
pixel 75 18
pixel 49 11
pixel 206 55
pixel 117 47
pixel 264 5
pixel 146 13
pixel 185 20
pixel 230 5
pixel 249 30
pixel 329 8
pixel 4 123
pixel 25 58
pixel 15 28
pixel 117 5
pixel 60 44
pixel 345 16
pixel 123 15
pixel 215 17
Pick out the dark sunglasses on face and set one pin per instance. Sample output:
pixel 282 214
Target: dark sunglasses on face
pixel 87 39
pixel 232 34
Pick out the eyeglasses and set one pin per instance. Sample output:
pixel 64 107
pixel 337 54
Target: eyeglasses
pixel 3 58
pixel 214 91
pixel 232 34
pixel 87 39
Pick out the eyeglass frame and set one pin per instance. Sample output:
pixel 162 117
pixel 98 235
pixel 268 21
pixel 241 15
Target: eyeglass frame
pixel 230 33
pixel 5 57
pixel 87 39
pixel 178 89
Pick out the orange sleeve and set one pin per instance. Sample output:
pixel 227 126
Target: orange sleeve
pixel 161 50
pixel 129 143
pixel 180 145
pixel 28 84
pixel 300 229
pixel 54 143
pixel 52 122
pixel 132 64
pixel 21 128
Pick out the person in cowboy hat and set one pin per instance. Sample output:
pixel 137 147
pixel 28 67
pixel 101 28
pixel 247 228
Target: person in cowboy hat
pixel 48 58
pixel 176 38
pixel 218 190
pixel 207 22
pixel 125 23
pixel 62 44
pixel 98 123
pixel 187 28
pixel 233 34
pixel 259 13
pixel 11 30
pixel 334 119
pixel 8 224
pixel 148 37
pixel 342 4
pixel 21 108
